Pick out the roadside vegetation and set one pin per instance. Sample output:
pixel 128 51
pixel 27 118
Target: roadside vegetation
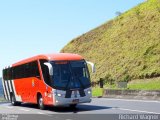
pixel 138 84
pixel 147 84
pixel 126 48
pixel 2 99
pixel 97 92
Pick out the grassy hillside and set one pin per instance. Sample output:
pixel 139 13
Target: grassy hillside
pixel 125 48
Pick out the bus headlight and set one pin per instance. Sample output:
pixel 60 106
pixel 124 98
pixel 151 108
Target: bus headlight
pixel 89 91
pixel 59 95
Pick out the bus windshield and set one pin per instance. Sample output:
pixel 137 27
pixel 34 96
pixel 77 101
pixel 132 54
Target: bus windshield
pixel 70 75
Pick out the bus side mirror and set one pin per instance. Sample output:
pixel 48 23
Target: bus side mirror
pixel 50 68
pixel 92 65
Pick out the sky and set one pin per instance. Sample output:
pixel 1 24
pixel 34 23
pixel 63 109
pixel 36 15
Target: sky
pixel 32 27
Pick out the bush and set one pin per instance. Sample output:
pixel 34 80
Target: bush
pixel 126 78
pixel 109 80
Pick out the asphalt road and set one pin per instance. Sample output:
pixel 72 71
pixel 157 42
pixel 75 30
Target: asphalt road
pixel 99 108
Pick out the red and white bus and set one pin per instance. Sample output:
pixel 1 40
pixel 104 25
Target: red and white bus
pixel 54 79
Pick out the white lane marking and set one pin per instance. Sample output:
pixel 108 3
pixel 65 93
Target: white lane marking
pixel 43 113
pixel 48 115
pixel 133 100
pixel 10 107
pixel 142 111
pixel 40 113
pixel 25 110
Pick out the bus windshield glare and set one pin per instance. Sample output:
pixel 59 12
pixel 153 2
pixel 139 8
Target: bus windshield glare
pixel 70 75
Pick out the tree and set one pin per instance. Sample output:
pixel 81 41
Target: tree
pixel 118 13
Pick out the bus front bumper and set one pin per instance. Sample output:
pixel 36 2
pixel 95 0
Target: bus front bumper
pixel 59 101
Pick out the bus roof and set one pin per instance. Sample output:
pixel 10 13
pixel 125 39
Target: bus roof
pixel 51 57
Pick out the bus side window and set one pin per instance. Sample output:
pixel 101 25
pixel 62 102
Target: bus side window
pixel 34 69
pixel 45 72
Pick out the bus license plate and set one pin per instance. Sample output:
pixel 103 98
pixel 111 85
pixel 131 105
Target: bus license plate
pixel 75 101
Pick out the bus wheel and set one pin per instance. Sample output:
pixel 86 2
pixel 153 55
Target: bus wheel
pixel 13 101
pixel 73 105
pixel 40 103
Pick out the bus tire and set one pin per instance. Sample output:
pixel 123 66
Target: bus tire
pixel 41 102
pixel 14 102
pixel 73 106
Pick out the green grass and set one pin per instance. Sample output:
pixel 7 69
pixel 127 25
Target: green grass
pixel 2 99
pixel 126 47
pixel 97 92
pixel 153 84
pixel 139 84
